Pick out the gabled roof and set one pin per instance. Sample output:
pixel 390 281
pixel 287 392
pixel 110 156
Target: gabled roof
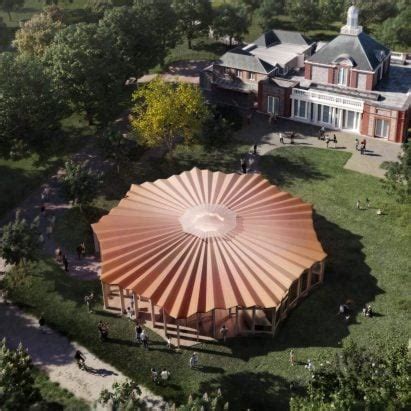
pixel 365 52
pixel 243 60
pixel 273 37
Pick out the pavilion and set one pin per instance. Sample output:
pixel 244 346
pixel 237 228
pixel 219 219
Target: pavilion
pixel 201 249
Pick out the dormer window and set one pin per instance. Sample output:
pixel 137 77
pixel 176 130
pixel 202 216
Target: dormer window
pixel 342 76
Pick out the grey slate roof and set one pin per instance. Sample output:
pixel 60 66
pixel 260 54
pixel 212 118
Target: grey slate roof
pixel 273 37
pixel 243 60
pixel 363 50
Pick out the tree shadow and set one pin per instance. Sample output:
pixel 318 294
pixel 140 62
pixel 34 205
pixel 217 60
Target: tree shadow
pixel 287 171
pixel 252 390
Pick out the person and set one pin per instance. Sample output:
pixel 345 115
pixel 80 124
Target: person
pixel 292 358
pixel 309 365
pixel 43 210
pixel 103 330
pixel 379 211
pixel 255 149
pixel 292 138
pixel 327 141
pixel 223 332
pixel 358 204
pixel 281 138
pixel 49 231
pixel 335 141
pixel 165 375
pixel 193 360
pixel 244 166
pixel 169 343
pixel 367 202
pixel 362 149
pixel 42 322
pixel 357 143
pixel 138 331
pixel 270 119
pixel 87 301
pixel 369 312
pixel 45 193
pixel 65 263
pixel 364 143
pixel 144 339
pixel 58 254
pixel 129 313
pixel 154 375
pixel 364 311
pixel 322 132
pixel 52 220
pixel 81 359
pixel 79 251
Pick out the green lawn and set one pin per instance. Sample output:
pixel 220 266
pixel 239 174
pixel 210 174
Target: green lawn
pixel 368 262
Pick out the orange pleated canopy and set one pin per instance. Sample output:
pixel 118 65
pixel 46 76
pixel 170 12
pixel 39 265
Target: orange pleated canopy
pixel 202 240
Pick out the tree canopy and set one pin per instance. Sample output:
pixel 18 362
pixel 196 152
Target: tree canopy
pixel 35 35
pixel 87 70
pixel 164 112
pixel 269 11
pixel 20 241
pixel 11 5
pixel 30 107
pixel 305 13
pixel 231 21
pixel 193 17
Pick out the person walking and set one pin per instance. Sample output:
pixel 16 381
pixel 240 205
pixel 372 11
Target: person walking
pixel 80 359
pixel 138 331
pixel 335 141
pixel 144 339
pixel 65 263
pixel 169 343
pixel 292 358
pixel 223 332
pixel 154 375
pixel 244 166
pixel 281 138
pixel 358 205
pixel 193 360
pixel 255 149
pixel 292 136
pixel 357 143
pixel 327 141
pixel 42 323
pixel 165 375
pixel 367 203
pixel 321 134
pixel 58 254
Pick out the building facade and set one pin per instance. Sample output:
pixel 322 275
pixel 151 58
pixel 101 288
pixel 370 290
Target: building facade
pixel 346 84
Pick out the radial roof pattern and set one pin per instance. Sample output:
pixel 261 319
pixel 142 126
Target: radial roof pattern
pixel 202 240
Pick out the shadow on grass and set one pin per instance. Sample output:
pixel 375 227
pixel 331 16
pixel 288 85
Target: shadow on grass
pixel 252 390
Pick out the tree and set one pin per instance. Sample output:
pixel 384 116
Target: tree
pixel 36 34
pixel 205 402
pixel 87 70
pixel 20 241
pixel 374 11
pixel 269 11
pixel 331 10
pixel 395 32
pixel 305 13
pixel 193 17
pixel 398 176
pixel 11 5
pixel 359 378
pixel 230 21
pixel 17 389
pixel 30 108
pixel 123 396
pixel 164 112
pixel 80 184
pixel 4 34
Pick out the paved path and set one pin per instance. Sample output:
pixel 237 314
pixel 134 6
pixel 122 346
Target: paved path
pixel 268 138
pixel 53 353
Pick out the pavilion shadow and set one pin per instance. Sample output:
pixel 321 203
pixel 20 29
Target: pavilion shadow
pixel 315 321
pixel 252 390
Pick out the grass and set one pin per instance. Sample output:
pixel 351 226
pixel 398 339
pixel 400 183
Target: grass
pixel 21 178
pixel 57 398
pixel 368 262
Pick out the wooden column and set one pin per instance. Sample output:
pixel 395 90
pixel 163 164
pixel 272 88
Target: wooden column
pixel 121 300
pixel 135 299
pixel 165 321
pixel 153 316
pixel 198 325
pixel 178 334
pixel 105 296
pixel 213 323
pixel 237 323
pixel 253 325
pixel 273 324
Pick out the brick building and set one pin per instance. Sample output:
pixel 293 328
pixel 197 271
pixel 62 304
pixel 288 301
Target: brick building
pixel 346 84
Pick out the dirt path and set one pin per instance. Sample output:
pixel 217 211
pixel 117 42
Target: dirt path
pixel 53 353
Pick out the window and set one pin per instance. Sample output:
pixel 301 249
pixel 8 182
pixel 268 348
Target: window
pixel 382 128
pixel 238 73
pixel 273 105
pixel 326 114
pixel 251 76
pixel 342 76
pixel 296 108
pixel 301 111
pixel 319 111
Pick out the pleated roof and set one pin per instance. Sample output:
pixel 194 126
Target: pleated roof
pixel 202 240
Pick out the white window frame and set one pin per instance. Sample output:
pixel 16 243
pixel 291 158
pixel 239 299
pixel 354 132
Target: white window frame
pixel 382 131
pixel 238 73
pixel 251 76
pixel 273 105
pixel 297 107
pixel 342 76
